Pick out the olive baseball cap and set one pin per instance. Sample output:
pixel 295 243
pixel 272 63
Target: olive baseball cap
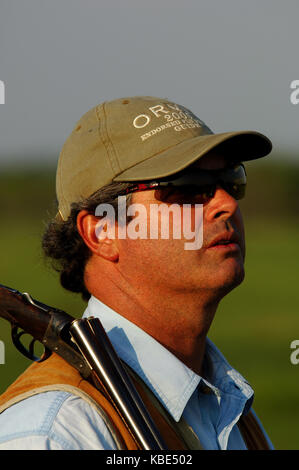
pixel 137 139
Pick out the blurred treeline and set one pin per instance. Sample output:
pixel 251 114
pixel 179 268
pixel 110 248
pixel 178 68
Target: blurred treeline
pixel 254 325
pixel 273 190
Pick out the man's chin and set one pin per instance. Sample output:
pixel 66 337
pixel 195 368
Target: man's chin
pixel 229 281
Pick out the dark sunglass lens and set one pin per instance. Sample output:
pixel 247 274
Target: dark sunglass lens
pixel 191 194
pixel 233 180
pixel 236 190
pixel 198 187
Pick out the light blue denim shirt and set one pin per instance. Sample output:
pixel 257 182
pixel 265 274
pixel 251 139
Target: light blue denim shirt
pixel 60 420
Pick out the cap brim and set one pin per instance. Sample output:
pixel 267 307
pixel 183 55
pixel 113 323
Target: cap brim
pixel 236 146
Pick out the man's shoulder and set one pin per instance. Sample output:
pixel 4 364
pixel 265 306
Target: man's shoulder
pixel 34 416
pixel 53 420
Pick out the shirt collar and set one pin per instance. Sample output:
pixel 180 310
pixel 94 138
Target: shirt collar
pixel 170 380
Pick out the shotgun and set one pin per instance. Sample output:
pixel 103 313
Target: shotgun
pixel 84 344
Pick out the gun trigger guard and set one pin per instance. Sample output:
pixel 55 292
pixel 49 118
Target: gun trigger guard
pixel 16 335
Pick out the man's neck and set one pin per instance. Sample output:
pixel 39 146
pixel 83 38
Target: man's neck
pixel 180 325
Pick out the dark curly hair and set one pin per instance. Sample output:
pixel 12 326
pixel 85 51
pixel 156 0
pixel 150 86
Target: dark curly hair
pixel 63 244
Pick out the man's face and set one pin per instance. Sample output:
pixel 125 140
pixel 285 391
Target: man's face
pixel 165 266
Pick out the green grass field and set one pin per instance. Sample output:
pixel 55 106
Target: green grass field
pixel 254 325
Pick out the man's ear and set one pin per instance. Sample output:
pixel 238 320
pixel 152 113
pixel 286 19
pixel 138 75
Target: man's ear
pixel 96 236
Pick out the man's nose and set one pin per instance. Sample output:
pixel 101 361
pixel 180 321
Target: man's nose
pixel 221 206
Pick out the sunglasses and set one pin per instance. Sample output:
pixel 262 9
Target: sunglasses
pixel 195 186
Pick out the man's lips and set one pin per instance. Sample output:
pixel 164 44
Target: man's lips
pixel 225 240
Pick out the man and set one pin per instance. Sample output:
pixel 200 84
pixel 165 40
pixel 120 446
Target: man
pixel 156 295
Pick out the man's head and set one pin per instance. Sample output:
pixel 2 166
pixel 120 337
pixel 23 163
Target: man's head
pixel 139 140
pixel 152 264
